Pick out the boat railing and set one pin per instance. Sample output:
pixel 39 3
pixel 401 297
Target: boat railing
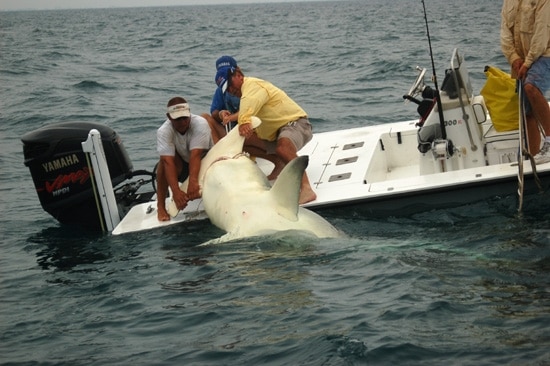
pixel 461 73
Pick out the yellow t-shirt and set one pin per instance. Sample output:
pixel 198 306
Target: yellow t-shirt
pixel 264 100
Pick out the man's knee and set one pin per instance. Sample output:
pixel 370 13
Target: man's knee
pixel 531 90
pixel 286 149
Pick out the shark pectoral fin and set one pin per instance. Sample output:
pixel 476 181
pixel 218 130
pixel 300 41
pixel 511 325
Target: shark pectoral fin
pixel 255 121
pixel 172 209
pixel 183 186
pixel 286 189
pixel 171 205
pixel 288 213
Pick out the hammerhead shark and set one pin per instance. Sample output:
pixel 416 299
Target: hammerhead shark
pixel 238 198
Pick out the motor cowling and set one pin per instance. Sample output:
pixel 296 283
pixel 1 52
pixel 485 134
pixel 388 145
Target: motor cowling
pixel 62 174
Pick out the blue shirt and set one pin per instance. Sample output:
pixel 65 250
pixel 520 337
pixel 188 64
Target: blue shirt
pixel 228 101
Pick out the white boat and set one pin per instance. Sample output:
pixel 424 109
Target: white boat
pixel 456 157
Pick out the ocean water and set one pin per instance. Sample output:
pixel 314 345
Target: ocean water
pixel 462 286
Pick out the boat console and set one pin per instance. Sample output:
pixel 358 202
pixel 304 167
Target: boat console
pixel 456 138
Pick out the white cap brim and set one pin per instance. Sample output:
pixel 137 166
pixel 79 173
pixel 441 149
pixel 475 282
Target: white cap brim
pixel 179 110
pixel 224 86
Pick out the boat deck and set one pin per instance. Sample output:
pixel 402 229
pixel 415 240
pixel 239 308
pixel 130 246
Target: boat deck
pixel 369 165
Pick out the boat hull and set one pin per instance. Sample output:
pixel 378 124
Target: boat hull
pixel 409 203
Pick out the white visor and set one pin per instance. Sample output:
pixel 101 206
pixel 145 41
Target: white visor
pixel 179 110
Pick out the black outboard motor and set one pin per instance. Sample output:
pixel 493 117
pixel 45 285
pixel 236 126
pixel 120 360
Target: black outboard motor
pixel 62 175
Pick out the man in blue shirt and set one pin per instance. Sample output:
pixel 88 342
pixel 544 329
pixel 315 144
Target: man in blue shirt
pixel 223 102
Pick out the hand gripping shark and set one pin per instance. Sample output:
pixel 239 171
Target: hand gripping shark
pixel 239 199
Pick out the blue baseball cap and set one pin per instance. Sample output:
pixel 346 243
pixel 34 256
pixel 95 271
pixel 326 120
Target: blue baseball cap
pixel 225 61
pixel 221 75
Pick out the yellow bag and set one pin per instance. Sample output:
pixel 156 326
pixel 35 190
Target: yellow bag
pixel 501 99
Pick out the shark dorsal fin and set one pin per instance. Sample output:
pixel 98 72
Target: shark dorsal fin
pixel 286 189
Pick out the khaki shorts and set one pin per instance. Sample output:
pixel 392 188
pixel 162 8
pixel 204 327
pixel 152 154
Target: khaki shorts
pixel 299 132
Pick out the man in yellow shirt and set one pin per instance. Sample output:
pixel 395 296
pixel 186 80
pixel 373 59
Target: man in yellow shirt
pixel 285 126
pixel 525 41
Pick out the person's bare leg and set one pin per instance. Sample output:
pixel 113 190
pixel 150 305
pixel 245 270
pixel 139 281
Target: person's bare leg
pixel 256 147
pixel 162 191
pixel 279 165
pixel 307 194
pixel 218 131
pixel 287 151
pixel 540 113
pixel 533 135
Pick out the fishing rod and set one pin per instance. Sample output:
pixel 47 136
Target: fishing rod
pixel 434 78
pixel 521 147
